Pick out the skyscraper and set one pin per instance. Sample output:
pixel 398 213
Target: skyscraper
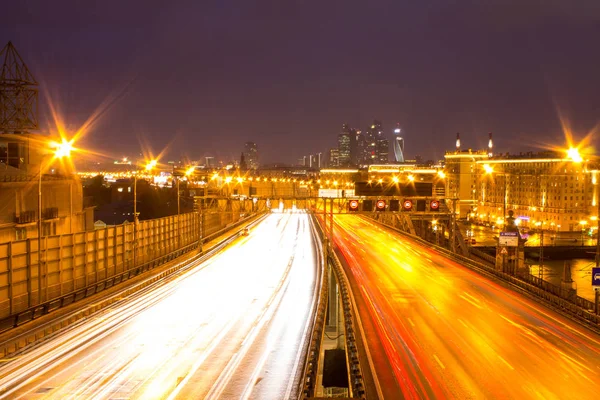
pixel 359 157
pixel 344 146
pixel 333 158
pixel 383 149
pixel 398 145
pixel 251 155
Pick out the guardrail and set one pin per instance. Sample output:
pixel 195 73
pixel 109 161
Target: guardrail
pixel 582 310
pixel 357 384
pixel 311 364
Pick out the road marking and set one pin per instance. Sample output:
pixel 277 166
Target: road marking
pixel 439 362
pixel 505 362
pixel 410 320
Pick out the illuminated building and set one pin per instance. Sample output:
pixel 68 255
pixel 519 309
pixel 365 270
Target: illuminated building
pixel 461 177
pixel 545 190
pixel 334 155
pixel 344 146
pixel 62 208
pixel 398 146
pixel 251 155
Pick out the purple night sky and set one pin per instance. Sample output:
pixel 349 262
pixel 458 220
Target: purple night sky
pixel 205 76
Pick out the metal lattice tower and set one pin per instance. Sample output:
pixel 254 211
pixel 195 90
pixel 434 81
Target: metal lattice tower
pixel 18 93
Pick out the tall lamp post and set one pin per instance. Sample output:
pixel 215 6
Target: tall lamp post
pixel 188 173
pixel 61 150
pixel 148 167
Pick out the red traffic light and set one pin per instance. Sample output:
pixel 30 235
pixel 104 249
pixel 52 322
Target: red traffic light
pixel 407 205
pixel 434 205
pixel 380 205
pixel 353 205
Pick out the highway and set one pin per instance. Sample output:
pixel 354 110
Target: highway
pixel 232 327
pixel 435 329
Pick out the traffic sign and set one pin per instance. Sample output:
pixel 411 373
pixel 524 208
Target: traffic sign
pixel 407 205
pixel 434 205
pixel 595 276
pixel 503 251
pixel 510 239
pixel 380 205
pixel 353 205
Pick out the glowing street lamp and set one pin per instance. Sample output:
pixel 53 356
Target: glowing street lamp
pixel 573 154
pixel 583 223
pixel 61 150
pixel 148 167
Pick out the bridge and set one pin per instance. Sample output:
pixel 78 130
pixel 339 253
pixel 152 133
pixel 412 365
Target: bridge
pixel 288 297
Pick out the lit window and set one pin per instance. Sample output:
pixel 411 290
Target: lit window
pixel 119 189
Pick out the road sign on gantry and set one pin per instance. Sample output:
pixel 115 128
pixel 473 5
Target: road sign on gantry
pixel 367 205
pixel 394 205
pixel 407 205
pixel 434 205
pixel 353 205
pixel 380 205
pixel 595 276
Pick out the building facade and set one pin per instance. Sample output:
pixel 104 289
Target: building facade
pixel 461 171
pixel 251 155
pixel 345 146
pixel 62 209
pixel 544 190
pixel 398 146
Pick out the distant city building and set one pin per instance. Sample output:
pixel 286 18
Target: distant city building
pixel 383 150
pixel 334 158
pixel 376 146
pixel 398 145
pixel 251 155
pixel 359 157
pixel 209 162
pixel 345 146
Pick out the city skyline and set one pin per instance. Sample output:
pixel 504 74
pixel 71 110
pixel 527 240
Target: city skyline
pixel 456 70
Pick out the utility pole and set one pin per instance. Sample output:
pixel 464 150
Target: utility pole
pixel 541 269
pixel 135 218
pixel 178 210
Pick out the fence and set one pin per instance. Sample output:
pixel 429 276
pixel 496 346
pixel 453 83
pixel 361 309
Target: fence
pixel 35 271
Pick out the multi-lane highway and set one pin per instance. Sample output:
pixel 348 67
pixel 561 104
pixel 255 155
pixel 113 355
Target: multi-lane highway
pixel 232 327
pixel 437 330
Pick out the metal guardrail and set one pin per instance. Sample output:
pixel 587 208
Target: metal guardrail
pixel 357 384
pixel 311 364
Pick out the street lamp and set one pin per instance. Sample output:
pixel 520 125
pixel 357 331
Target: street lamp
pixel 149 166
pixel 61 150
pixel 583 223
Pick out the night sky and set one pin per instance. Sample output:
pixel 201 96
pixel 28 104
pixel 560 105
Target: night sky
pixel 205 76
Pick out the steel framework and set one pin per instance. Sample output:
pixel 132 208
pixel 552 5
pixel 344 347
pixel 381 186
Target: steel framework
pixel 18 93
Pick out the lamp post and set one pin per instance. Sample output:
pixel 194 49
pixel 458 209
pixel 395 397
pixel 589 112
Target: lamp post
pixel 61 150
pixel 188 173
pixel 149 166
pixel 583 223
